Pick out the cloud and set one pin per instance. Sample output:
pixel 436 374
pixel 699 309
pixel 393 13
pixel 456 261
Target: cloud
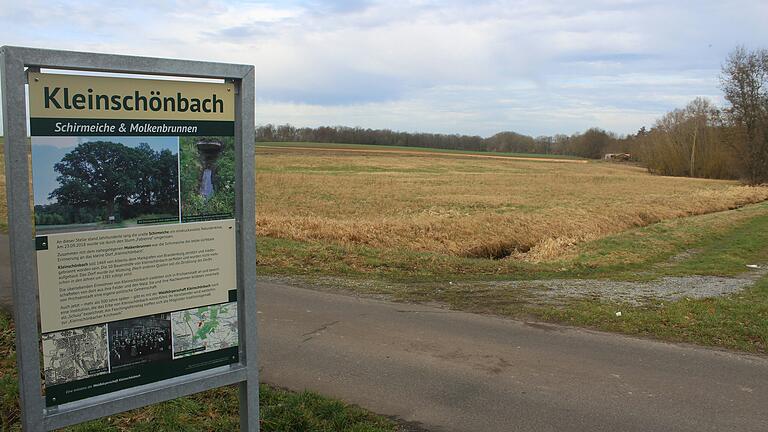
pixel 539 67
pixel 58 142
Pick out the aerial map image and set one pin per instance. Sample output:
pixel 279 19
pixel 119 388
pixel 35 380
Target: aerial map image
pixel 204 329
pixel 71 355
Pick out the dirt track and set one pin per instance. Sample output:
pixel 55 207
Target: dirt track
pixel 427 153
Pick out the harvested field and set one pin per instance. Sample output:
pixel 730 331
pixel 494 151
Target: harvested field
pixel 472 207
pixel 426 152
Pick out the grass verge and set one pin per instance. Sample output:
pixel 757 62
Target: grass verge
pixel 213 410
pixel 738 321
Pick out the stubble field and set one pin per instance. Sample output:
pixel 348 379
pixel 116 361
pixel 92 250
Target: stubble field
pixel 463 206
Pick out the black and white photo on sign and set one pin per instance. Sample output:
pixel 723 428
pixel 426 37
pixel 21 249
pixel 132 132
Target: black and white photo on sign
pixel 140 340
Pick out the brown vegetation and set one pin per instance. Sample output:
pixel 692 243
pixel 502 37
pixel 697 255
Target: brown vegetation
pixel 486 208
pixel 427 153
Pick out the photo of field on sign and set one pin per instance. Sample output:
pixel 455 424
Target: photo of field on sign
pixel 207 178
pixel 90 183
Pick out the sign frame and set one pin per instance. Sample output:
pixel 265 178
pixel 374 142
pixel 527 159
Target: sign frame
pixel 15 62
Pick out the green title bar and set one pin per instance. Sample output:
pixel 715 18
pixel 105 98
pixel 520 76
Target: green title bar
pixel 108 127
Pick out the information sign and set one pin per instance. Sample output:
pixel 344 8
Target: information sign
pixel 128 268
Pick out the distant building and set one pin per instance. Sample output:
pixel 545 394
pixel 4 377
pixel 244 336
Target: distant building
pixel 617 157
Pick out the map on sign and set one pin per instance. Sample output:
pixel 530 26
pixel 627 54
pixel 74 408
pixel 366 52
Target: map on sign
pixel 71 355
pixel 204 329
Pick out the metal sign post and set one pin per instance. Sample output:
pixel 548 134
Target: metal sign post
pixel 15 63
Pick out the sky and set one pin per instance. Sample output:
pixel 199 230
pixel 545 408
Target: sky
pixel 470 67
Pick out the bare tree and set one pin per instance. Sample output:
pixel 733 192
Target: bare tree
pixel 744 81
pixel 688 142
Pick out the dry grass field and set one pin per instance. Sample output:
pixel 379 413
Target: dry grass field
pixel 469 207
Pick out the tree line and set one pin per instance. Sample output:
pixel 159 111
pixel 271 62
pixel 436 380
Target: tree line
pixel 698 140
pixel 590 144
pixel 357 135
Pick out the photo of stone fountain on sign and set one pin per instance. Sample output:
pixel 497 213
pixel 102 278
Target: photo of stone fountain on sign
pixel 209 151
pixel 207 178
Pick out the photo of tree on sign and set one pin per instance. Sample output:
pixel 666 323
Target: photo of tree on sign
pixel 207 178
pixel 90 183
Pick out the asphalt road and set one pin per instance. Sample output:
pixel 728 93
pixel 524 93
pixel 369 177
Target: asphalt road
pixel 453 371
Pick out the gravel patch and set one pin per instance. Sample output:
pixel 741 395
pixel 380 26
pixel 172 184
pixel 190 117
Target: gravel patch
pixel 555 291
pixel 636 293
